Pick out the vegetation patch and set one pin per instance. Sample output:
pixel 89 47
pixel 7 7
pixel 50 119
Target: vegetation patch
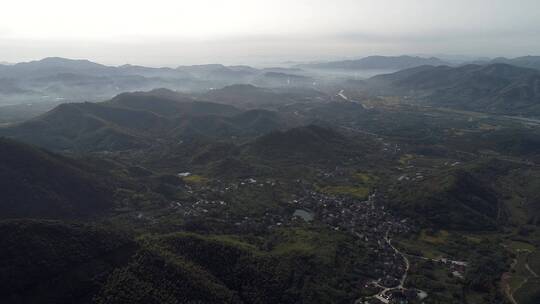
pixel 439 237
pixel 518 246
pixel 360 192
pixel 405 159
pixel 195 179
pixel 322 244
pixel 364 178
pixel 360 188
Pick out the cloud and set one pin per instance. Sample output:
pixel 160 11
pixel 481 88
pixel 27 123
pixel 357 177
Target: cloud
pixel 167 32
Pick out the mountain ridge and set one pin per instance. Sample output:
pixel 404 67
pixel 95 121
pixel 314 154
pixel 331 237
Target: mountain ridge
pixel 378 63
pixel 495 88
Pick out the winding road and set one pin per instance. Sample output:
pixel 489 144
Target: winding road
pixel 382 295
pixel 506 277
pixel 405 259
pixel 345 97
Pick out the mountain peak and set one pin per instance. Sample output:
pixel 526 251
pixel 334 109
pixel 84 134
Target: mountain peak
pixel 63 64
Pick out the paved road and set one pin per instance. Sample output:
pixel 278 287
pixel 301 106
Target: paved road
pixel 405 259
pixel 342 95
pixel 381 296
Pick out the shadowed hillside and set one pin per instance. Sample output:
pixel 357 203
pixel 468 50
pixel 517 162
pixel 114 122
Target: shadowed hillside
pixel 36 183
pixel 53 262
pixel 128 121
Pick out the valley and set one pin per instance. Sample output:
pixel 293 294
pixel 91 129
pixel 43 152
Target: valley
pixel 270 152
pixel 285 194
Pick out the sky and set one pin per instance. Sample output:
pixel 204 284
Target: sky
pixel 178 32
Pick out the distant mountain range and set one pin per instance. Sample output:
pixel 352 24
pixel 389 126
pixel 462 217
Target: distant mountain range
pixel 532 62
pixel 377 63
pixel 508 90
pixel 496 88
pixel 60 79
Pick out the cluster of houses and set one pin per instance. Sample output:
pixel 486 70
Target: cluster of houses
pixel 368 220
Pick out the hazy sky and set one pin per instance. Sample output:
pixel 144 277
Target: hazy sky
pixel 174 32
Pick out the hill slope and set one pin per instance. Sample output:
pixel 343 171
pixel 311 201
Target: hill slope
pixel 52 262
pixel 130 120
pixel 532 62
pixel 169 103
pixel 184 268
pixel 459 199
pixel 36 183
pixel 304 145
pixel 496 88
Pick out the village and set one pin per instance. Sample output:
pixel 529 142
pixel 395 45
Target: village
pixel 368 220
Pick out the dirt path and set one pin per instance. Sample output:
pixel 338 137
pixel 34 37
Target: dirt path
pixel 505 280
pixel 534 274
